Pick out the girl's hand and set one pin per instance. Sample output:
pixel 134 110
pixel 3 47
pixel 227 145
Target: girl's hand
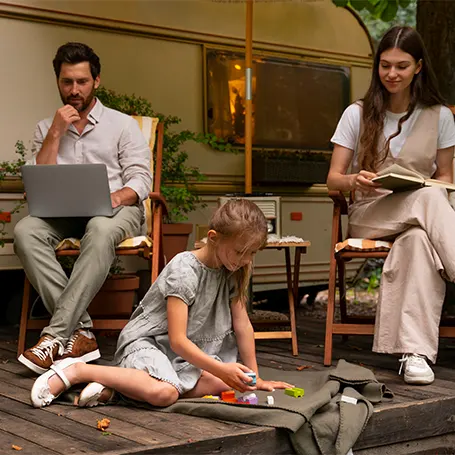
pixel 270 386
pixel 362 182
pixel 233 374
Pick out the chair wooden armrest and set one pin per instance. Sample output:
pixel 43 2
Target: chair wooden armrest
pixel 339 200
pixel 157 197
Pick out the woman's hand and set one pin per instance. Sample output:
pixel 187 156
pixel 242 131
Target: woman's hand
pixel 362 181
pixel 233 374
pixel 270 386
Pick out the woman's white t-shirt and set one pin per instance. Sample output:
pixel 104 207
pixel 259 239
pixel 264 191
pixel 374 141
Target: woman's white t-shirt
pixel 347 133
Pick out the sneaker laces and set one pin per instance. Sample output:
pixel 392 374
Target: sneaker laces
pixel 415 360
pixel 46 348
pixel 69 346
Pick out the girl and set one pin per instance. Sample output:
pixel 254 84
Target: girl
pixel 184 337
pixel 402 120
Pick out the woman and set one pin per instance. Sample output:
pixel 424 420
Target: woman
pixel 402 120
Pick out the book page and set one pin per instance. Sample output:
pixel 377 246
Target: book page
pixel 397 169
pixel 434 182
pixel 397 182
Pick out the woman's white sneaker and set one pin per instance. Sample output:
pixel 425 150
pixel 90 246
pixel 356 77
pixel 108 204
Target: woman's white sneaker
pixel 416 369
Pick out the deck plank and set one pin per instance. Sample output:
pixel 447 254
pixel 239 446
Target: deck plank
pixel 27 446
pixel 123 432
pixel 57 423
pixel 15 421
pixel 409 421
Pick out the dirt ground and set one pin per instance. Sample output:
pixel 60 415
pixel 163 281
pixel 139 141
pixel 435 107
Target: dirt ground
pixel 359 302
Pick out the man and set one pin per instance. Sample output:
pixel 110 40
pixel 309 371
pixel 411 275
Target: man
pixel 82 131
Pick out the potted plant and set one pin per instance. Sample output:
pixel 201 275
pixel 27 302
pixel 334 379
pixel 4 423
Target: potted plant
pixel 177 176
pixel 118 295
pixel 9 176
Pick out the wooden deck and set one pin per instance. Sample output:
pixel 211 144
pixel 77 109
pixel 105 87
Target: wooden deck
pixel 420 420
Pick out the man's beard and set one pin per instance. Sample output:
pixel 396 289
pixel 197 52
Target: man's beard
pixel 82 104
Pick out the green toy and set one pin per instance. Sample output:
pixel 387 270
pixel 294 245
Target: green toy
pixel 295 392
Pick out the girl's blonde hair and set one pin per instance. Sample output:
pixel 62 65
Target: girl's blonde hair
pixel 241 218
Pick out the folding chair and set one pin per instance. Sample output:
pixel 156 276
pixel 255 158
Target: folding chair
pixel 151 249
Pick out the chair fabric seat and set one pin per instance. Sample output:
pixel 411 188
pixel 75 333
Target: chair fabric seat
pixel 366 245
pixel 140 241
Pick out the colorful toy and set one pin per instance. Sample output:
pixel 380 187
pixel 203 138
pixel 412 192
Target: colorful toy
pixel 253 377
pixel 249 399
pixel 212 397
pixel 295 392
pixel 270 400
pixel 229 396
pixel 252 398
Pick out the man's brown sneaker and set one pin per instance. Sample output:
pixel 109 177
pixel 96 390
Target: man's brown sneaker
pixel 40 357
pixel 82 345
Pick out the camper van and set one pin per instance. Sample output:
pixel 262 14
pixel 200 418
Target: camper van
pixel 310 60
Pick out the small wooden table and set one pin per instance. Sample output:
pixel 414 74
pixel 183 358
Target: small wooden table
pixel 293 290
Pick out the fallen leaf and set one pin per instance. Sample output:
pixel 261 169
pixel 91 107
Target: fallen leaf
pixel 103 424
pixel 106 433
pixel 272 361
pixel 304 367
pixel 16 447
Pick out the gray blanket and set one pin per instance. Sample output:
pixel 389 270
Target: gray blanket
pixel 322 422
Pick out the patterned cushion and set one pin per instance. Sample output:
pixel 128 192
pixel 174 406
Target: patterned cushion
pixel 72 243
pixel 363 245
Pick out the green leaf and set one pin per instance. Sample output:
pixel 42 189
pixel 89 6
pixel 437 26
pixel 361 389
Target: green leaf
pixel 340 2
pixel 359 5
pixel 370 7
pixel 404 3
pixel 390 11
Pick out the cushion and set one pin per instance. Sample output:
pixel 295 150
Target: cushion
pixel 140 241
pixel 272 239
pixel 363 245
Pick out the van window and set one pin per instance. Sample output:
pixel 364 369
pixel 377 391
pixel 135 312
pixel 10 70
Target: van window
pixel 296 104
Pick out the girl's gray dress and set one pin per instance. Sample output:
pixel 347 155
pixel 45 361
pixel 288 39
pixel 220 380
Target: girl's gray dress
pixel 144 342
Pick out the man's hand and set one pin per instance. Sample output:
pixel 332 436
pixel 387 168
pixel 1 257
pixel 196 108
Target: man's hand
pixel 116 199
pixel 63 118
pixel 125 196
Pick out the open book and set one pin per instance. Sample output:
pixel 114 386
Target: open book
pixel 398 178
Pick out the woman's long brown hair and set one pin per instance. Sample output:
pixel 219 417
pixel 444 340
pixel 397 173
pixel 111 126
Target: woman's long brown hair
pixel 424 92
pixel 241 218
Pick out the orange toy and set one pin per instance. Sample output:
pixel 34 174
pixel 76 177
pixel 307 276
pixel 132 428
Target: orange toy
pixel 229 396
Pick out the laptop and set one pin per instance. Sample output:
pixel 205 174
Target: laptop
pixel 67 190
